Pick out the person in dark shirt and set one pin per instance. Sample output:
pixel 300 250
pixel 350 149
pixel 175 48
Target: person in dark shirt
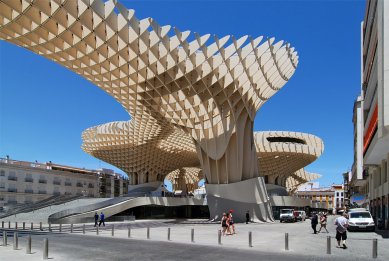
pixel 96 218
pixel 314 222
pixel 247 217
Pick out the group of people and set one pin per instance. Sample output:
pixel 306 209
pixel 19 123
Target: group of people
pixel 227 222
pixel 102 219
pixel 341 224
pixel 322 218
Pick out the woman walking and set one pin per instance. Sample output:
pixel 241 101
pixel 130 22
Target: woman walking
pixel 224 223
pixel 323 222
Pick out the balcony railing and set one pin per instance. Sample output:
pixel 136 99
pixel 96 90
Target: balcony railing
pixel 68 184
pixel 29 191
pixel 79 185
pixel 56 182
pixel 42 192
pixel 12 190
pixel 12 178
pixel 91 186
pixel 42 181
pixel 29 180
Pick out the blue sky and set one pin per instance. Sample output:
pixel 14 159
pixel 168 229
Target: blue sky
pixel 44 107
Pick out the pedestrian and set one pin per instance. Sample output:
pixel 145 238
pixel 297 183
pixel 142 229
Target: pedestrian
pixel 314 222
pixel 323 222
pixel 247 217
pixel 102 219
pixel 341 224
pixel 96 218
pixel 231 222
pixel 224 223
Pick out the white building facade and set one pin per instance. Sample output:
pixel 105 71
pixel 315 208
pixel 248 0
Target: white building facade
pixel 370 171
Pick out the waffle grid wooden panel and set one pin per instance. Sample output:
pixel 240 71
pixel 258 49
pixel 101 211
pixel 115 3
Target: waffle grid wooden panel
pixel 192 98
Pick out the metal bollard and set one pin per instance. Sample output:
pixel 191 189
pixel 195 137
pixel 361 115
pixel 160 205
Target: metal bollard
pixel 16 225
pixel 5 238
pixel 46 248
pixel 60 227
pixel 375 248
pixel 28 247
pixel 32 225
pixel 97 230
pixel 9 224
pixel 250 239
pixel 329 245
pixel 83 229
pixel 49 227
pixel 16 241
pixel 192 235
pixel 71 228
pixel 286 241
pixel 24 225
pixel 113 230
pixel 2 224
pixel 40 226
pixel 129 231
pixel 148 232
pixel 168 234
pixel 219 237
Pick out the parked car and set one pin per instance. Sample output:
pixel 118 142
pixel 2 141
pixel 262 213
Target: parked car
pixel 360 219
pixel 301 215
pixel 287 215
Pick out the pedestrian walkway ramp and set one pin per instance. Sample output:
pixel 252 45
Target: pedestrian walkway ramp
pixel 118 205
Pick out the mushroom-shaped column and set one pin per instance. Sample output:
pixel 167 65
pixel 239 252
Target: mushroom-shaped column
pixel 216 104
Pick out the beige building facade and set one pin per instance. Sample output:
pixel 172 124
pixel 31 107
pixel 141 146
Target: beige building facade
pixel 23 182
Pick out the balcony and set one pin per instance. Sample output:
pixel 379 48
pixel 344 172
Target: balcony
pixel 57 182
pixel 68 184
pixel 79 185
pixel 12 190
pixel 31 180
pixel 42 192
pixel 12 178
pixel 91 186
pixel 43 181
pixel 29 191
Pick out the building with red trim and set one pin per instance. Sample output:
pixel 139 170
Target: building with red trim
pixel 369 184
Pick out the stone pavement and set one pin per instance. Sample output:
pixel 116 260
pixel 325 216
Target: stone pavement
pixel 267 241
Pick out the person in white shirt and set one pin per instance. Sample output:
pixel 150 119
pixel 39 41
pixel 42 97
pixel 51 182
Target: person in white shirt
pixel 341 224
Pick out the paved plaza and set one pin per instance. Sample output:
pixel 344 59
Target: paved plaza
pixel 268 242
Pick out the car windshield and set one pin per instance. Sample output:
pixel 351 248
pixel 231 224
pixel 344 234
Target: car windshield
pixel 360 215
pixel 286 211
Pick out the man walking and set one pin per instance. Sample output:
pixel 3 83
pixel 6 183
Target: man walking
pixel 102 219
pixel 247 217
pixel 314 222
pixel 96 218
pixel 341 224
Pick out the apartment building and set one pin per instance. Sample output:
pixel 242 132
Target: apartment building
pixel 370 171
pixel 28 182
pixel 332 197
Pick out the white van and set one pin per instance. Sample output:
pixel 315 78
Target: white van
pixel 360 219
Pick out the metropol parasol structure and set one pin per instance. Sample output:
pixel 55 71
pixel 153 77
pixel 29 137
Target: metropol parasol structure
pixel 192 99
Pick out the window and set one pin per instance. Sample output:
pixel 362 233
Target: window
pixel 57 181
pixel 29 178
pixel 42 179
pixel 341 194
pixel 2 172
pixel 337 194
